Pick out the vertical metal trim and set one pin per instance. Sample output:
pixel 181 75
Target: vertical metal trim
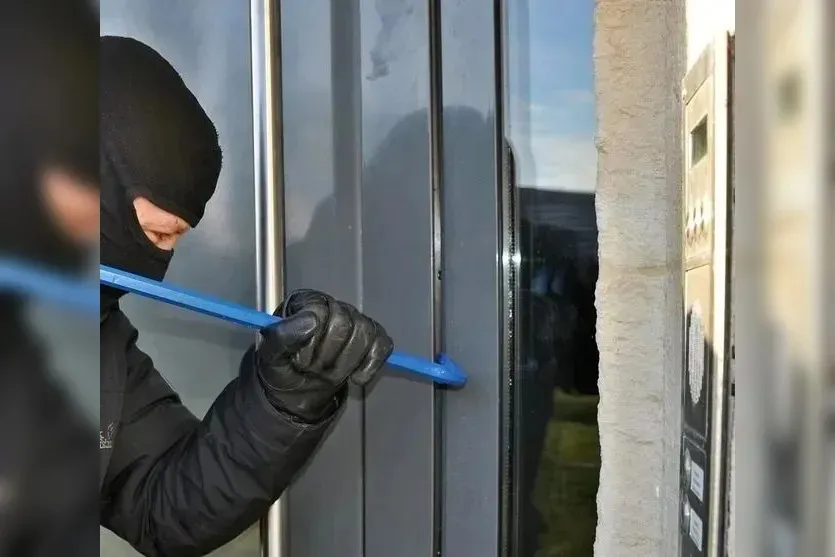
pixel 436 151
pixel 346 91
pixel 827 20
pixel 508 261
pixel 730 313
pixel 719 404
pixel 346 95
pixel 436 173
pixel 265 37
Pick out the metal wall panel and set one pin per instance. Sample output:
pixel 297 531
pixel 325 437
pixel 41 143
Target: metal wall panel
pixel 208 43
pixel 471 320
pixel 397 273
pixel 320 44
pixel 356 87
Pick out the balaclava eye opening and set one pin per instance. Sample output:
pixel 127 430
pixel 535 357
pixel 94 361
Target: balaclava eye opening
pixel 157 142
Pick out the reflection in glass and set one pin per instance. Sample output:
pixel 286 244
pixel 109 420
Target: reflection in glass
pixel 550 128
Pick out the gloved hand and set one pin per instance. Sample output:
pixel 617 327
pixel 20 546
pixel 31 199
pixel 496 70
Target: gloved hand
pixel 306 360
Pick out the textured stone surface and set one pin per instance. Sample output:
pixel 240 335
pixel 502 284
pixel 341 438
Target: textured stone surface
pixel 640 54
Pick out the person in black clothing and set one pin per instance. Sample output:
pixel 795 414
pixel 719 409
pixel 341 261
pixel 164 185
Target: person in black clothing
pixel 49 208
pixel 172 484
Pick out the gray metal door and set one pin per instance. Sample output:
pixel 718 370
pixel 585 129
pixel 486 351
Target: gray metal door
pixel 391 203
pixel 399 195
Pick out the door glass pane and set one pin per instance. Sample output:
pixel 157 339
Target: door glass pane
pixel 209 45
pixel 550 126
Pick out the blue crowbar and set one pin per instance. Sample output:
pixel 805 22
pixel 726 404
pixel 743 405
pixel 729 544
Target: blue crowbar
pixel 25 278
pixel 443 371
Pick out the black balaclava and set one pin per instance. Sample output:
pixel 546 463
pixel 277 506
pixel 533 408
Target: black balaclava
pixel 48 118
pixel 156 142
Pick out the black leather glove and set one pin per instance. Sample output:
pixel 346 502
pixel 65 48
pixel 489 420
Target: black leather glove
pixel 306 360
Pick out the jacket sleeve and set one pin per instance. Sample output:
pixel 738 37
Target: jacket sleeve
pixel 49 456
pixel 181 486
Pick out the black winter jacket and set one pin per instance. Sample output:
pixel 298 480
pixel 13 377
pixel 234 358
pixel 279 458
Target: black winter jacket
pixel 176 486
pixel 47 461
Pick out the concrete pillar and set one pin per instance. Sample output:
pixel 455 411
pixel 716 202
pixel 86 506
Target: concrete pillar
pixel 640 57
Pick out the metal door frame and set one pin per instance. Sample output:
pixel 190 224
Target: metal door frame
pixel 265 37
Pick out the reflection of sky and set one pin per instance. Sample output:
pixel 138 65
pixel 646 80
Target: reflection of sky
pixel 393 77
pixel 551 90
pixel 552 118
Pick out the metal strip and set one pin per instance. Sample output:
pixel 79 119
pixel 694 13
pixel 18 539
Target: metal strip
pixel 346 96
pixel 265 29
pixel 436 164
pixel 508 261
pixel 828 22
pixel 719 434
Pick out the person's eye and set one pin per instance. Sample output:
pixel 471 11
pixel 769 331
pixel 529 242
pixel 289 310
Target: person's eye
pixel 152 235
pixel 167 241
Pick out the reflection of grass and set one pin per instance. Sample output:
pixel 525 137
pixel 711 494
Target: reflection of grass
pixel 566 485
